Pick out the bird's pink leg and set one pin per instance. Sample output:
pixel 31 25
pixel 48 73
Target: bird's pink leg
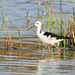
pixel 57 48
pixel 49 50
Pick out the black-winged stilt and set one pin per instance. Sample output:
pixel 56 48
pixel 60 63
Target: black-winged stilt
pixel 48 37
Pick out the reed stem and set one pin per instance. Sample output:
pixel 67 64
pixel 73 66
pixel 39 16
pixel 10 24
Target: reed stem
pixel 2 11
pixel 62 29
pixel 53 18
pixel 20 38
pixel 58 22
pixel 47 12
pixel 10 40
pixel 7 43
pixel 74 10
pixel 61 6
pixel 6 13
pixel 43 19
pixel 39 10
pixel 28 18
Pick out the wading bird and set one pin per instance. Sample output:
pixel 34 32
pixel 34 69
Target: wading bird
pixel 48 37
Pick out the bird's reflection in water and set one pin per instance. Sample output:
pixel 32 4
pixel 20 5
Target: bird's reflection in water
pixel 48 64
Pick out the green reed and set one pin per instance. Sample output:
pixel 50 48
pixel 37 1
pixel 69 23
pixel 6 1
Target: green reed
pixel 73 31
pixel 47 12
pixel 61 25
pixel 39 10
pixel 2 11
pixel 53 18
pixel 43 19
pixel 62 29
pixel 62 32
pixel 74 20
pixel 6 13
pixel 61 6
pixel 74 9
pixel 58 25
pixel 58 22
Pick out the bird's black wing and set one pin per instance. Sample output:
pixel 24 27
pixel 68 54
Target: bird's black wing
pixel 56 36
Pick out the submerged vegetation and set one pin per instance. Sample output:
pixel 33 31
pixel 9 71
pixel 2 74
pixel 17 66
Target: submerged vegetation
pixel 64 28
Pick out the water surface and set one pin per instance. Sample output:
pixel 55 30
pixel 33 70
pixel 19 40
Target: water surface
pixel 32 58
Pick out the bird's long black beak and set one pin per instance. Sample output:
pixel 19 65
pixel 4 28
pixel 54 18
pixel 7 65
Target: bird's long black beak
pixel 31 27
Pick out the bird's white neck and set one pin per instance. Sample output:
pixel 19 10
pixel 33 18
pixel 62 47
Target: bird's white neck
pixel 39 29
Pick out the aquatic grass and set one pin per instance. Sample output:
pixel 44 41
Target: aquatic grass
pixel 48 18
pixel 72 35
pixel 47 27
pixel 28 18
pixel 6 13
pixel 11 44
pixel 62 25
pixel 65 41
pixel 53 18
pixel 20 54
pixel 61 6
pixel 6 24
pixel 2 26
pixel 47 13
pixel 63 28
pixel 70 31
pixel 69 21
pixel 74 9
pixel 43 19
pixel 39 10
pixel 6 16
pixel 2 11
pixel 73 24
pixel 58 25
pixel 62 22
pixel 63 32
pixel 19 37
pixel 7 44
pixel 72 27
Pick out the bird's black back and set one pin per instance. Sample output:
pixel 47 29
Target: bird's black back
pixel 55 35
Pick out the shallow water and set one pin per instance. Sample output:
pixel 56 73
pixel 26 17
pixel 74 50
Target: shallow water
pixel 32 58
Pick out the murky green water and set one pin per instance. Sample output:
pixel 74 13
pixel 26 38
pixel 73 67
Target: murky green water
pixel 33 58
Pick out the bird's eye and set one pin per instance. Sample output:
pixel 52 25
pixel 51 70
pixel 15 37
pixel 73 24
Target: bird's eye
pixel 36 23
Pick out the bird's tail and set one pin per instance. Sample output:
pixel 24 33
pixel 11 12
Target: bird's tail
pixel 68 37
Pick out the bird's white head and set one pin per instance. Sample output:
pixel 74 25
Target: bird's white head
pixel 38 24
